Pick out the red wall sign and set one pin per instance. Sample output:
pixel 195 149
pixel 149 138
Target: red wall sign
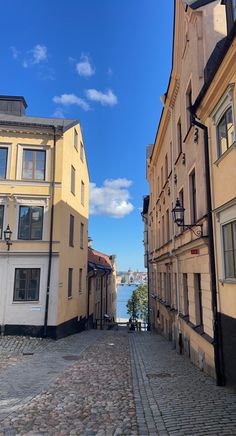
pixel 195 251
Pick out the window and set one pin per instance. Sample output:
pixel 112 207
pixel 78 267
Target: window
pixel 230 13
pixel 188 105
pixel 71 231
pixel 163 229
pixel 75 139
pixel 70 281
pixel 30 223
pixel 167 225
pixel 33 164
pixel 229 247
pixel 193 198
pixel 225 131
pixel 158 185
pixel 166 167
pixel 3 162
pixel 82 192
pixel 185 294
pixel 26 287
pixel 81 235
pixel 179 137
pixel 72 182
pixel 80 279
pixel 1 220
pixel 198 299
pixel 162 180
pixel 82 151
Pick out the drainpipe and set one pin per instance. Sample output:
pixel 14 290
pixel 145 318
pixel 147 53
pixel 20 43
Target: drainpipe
pixel 145 220
pixel 173 233
pixel 220 379
pixel 51 235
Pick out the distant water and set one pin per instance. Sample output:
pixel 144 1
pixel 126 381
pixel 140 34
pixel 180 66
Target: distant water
pixel 123 294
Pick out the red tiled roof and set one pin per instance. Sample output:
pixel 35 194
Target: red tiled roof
pixel 98 258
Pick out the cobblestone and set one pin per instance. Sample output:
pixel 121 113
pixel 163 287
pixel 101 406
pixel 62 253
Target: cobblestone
pixel 103 383
pixel 92 396
pixel 183 400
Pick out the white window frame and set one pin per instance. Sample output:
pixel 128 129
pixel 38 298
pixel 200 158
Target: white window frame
pixel 225 216
pixel 9 154
pixel 225 102
pixel 34 147
pixel 31 202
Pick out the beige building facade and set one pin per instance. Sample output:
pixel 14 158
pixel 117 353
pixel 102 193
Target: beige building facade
pixel 44 190
pixel 215 107
pixel 182 304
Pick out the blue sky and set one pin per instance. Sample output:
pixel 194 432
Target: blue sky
pixel 105 62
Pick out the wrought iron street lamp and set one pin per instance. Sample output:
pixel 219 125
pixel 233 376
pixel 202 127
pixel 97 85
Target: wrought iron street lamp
pixel 178 218
pixel 7 237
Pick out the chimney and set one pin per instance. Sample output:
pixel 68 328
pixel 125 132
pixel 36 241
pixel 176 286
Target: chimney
pixel 12 105
pixel 90 242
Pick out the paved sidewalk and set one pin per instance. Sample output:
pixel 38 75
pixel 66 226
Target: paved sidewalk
pixel 173 397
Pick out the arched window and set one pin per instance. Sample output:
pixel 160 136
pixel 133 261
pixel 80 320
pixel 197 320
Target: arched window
pixel 225 131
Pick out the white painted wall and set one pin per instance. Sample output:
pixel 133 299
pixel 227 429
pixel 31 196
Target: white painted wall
pixel 27 313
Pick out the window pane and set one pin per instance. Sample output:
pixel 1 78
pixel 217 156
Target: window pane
pixel 227 232
pixel 27 164
pixel 3 162
pixel 229 264
pixel 70 272
pixel 24 223
pixel 20 288
pixel 1 220
pixel 234 234
pixel 81 151
pixel 36 222
pixel 72 180
pixel 39 165
pixel 230 126
pixel 81 235
pixel 33 284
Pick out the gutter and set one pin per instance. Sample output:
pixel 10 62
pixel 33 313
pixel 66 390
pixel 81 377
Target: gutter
pixel 51 235
pixel 218 350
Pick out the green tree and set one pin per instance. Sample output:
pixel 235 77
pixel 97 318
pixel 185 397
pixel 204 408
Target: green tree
pixel 123 279
pixel 137 305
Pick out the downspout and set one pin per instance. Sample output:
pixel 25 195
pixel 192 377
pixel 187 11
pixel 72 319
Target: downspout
pixel 173 232
pixel 101 308
pixel 145 220
pixel 220 379
pixel 51 235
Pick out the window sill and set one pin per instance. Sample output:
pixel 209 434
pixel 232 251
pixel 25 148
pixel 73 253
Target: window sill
pixel 227 281
pixel 26 302
pixel 218 161
pixel 69 298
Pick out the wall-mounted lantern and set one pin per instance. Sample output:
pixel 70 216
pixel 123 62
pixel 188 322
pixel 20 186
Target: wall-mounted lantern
pixel 178 218
pixel 7 237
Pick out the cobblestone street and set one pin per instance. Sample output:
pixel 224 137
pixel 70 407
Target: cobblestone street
pixel 107 383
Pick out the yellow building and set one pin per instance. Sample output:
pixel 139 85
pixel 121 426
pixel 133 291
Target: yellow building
pixel 181 282
pixel 215 108
pixel 44 191
pixel 101 288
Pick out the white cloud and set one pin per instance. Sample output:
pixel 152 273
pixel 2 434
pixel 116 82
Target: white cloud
pixel 106 99
pixel 15 52
pixel 69 99
pixel 84 67
pixel 59 113
pixel 39 53
pixel 111 199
